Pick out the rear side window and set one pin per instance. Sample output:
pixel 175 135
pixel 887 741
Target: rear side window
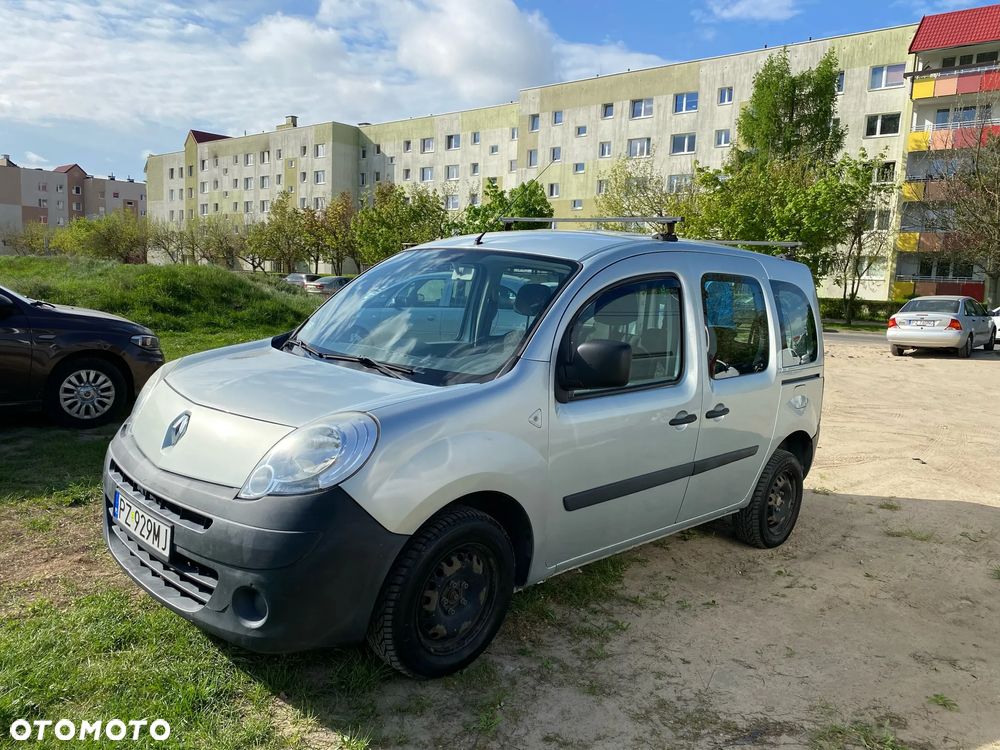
pixel 798 325
pixel 646 314
pixel 736 316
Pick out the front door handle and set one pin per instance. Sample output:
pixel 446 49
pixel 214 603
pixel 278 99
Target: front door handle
pixel 720 410
pixel 683 418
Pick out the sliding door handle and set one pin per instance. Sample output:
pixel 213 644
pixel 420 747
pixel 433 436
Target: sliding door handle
pixel 683 418
pixel 720 410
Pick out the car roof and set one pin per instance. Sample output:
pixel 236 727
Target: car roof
pixel 950 297
pixel 578 245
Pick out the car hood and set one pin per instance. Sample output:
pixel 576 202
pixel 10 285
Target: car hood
pixel 258 381
pixel 82 313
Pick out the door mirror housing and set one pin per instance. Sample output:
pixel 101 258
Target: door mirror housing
pixel 7 306
pixel 600 363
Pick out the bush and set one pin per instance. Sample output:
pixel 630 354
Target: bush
pixel 832 308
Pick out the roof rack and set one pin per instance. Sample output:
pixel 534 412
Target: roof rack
pixel 669 222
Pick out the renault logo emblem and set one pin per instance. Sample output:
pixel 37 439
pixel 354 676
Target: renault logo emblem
pixel 177 429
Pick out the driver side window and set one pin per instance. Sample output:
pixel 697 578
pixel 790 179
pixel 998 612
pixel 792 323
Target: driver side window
pixel 736 318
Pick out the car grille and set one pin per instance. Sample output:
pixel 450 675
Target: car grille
pixel 171 511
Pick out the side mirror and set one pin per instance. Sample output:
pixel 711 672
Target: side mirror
pixel 7 306
pixel 600 363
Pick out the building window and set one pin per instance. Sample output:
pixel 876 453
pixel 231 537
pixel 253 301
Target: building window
pixel 248 183
pixel 277 155
pixel 534 121
pixel 513 134
pixel 426 174
pixel 887 124
pixel 451 142
pixel 686 102
pixel 475 137
pixel 236 182
pixel 886 172
pixel 304 150
pixel 604 150
pixel 265 181
pixel 215 184
pixel 532 157
pixel 986 58
pixel 642 108
pixel 44 219
pixel 407 146
pixel 887 76
pixel 265 206
pixel 581 130
pixel 247 207
pixel 451 172
pixel 190 192
pixel 683 143
pixel 722 137
pixel 43 202
pixel 578 167
pixel 677 182
pixel 726 95
pixel 607 111
pixel 602 187
pixel 76 190
pixel 577 204
pixel 473 199
pixel 319 150
pixel 236 157
pixel 171 214
pixel 555 153
pixel 60 204
pixel 378 149
pixel 215 208
pixel 265 157
pixel 638 147
pixel 474 169
pixel 553 189
pixel 60 188
pixel 841 78
pixel 451 202
pixel 364 179
pixel 302 202
pixel 492 181
pixel 319 203
pixel 201 165
pixel 378 176
pixel 303 176
pixel 364 152
pixel 557 117
pixel 248 160
pixel 277 179
pixel 171 193
pixel 171 173
pixel 77 206
pixel 406 174
pixel 191 172
pixel 203 209
pixel 512 165
pixel 426 145
pixel 494 149
pixel 203 187
pixel 319 177
pixel 236 206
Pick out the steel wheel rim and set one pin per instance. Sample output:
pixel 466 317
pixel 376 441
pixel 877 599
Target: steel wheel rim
pixel 457 599
pixel 781 503
pixel 87 394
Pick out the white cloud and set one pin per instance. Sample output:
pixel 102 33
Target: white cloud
pixel 31 159
pixel 224 68
pixel 752 10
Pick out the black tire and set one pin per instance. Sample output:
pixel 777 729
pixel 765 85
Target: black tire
pixel 897 351
pixel 461 557
pixel 965 351
pixel 774 508
pixel 991 344
pixel 83 377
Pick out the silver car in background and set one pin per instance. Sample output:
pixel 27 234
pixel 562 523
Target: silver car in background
pixel 942 322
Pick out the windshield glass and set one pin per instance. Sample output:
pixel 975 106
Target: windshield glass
pixel 15 295
pixel 931 306
pixel 449 315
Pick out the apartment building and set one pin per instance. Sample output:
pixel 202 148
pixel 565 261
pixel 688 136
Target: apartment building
pixel 55 197
pixel 567 135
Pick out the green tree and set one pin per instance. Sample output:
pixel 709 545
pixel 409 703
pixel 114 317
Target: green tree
pixel 164 239
pixel 119 235
pixel 527 199
pixel 635 187
pixel 340 244
pixel 283 237
pixel 34 238
pixel 393 219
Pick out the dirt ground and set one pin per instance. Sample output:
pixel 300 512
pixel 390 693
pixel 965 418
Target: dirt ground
pixel 875 626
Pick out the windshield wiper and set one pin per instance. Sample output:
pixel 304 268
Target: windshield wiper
pixel 41 303
pixel 386 368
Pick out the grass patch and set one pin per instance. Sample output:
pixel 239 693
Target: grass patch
pixel 908 533
pixel 856 735
pixel 889 505
pixel 995 572
pixel 939 699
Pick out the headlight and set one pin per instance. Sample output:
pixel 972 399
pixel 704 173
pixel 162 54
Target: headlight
pixel 146 341
pixel 318 455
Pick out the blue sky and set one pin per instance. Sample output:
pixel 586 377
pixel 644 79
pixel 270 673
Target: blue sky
pixel 104 82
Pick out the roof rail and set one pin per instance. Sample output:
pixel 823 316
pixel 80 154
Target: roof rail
pixel 669 222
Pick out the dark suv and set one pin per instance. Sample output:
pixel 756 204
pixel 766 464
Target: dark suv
pixel 83 367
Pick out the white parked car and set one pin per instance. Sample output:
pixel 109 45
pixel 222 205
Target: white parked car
pixel 378 473
pixel 942 322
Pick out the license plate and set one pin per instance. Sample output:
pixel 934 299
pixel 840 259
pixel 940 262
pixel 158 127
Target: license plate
pixel 148 531
pixel 921 323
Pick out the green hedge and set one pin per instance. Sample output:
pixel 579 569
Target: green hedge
pixel 832 308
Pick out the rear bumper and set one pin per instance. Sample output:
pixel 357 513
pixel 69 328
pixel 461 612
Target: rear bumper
pixel 928 338
pixel 310 581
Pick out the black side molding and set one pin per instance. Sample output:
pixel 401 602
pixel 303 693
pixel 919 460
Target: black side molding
pixel 629 486
pixel 803 379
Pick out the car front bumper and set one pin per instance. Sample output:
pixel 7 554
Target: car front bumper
pixel 929 338
pixel 274 575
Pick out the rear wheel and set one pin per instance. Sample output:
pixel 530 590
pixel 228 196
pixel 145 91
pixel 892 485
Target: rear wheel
pixel 965 351
pixel 86 392
pixel 991 344
pixel 446 596
pixel 774 508
pixel 897 351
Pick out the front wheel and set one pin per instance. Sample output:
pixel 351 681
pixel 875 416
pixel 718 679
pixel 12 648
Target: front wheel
pixel 447 595
pixel 774 508
pixel 991 344
pixel 87 392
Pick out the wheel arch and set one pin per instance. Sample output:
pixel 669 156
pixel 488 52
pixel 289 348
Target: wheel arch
pixel 510 514
pixel 800 445
pixel 107 356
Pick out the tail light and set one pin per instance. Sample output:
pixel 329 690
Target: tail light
pixel 892 322
pixel 955 324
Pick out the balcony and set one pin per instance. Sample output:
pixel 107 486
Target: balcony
pixel 905 286
pixel 952 135
pixel 969 79
pixel 928 189
pixel 911 240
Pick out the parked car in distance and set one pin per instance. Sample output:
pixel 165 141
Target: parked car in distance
pixel 375 474
pixel 301 279
pixel 328 285
pixel 82 366
pixel 941 322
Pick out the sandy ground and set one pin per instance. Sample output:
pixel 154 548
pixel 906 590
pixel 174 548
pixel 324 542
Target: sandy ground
pixel 883 597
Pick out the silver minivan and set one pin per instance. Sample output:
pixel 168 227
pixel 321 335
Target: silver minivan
pixel 598 391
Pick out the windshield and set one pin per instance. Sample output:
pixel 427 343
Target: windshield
pixel 447 315
pixel 15 295
pixel 931 306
